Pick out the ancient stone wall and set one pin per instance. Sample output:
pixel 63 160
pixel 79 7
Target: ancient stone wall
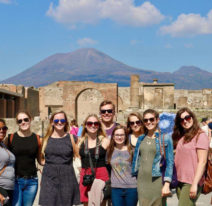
pixel 157 96
pixel 195 99
pixel 123 98
pixel 77 99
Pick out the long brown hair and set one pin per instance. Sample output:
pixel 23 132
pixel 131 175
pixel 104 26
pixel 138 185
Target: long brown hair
pixel 179 131
pixel 113 144
pixel 150 111
pixel 136 114
pixel 50 130
pixel 101 133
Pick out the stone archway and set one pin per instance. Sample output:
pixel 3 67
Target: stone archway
pixel 87 102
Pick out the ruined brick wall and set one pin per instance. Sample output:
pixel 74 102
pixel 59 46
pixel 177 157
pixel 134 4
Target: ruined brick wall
pixel 77 99
pixel 195 99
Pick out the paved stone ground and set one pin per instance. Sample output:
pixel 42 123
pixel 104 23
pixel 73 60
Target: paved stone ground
pixel 204 200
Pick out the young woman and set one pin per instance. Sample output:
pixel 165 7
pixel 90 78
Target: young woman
pixel 74 127
pixel 25 145
pixel 146 162
pixel 59 185
pixel 7 171
pixel 135 127
pixel 192 146
pixel 119 156
pixel 93 136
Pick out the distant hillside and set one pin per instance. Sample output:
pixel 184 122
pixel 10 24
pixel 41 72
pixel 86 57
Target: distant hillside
pixel 92 65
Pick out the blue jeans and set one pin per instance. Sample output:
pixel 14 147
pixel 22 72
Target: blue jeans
pixel 124 196
pixel 25 191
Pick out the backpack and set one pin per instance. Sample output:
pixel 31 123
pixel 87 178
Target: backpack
pixel 207 185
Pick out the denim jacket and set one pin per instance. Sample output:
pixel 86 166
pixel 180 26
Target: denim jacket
pixel 156 171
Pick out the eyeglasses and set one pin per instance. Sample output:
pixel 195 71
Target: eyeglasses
pixel 152 119
pixel 119 135
pixel 23 120
pixel 56 121
pixel 138 122
pixel 4 128
pixel 109 111
pixel 90 124
pixel 187 118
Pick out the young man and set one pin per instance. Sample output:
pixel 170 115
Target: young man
pixel 107 113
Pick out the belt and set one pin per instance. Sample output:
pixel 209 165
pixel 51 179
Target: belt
pixel 26 176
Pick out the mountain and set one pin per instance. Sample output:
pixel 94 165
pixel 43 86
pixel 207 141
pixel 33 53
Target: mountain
pixel 92 65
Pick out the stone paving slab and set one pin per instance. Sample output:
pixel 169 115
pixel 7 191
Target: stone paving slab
pixel 204 200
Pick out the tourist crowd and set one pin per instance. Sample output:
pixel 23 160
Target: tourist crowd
pixel 120 165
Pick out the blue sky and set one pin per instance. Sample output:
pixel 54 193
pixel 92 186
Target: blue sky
pixel 159 35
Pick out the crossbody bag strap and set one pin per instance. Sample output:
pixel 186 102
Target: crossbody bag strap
pixel 89 155
pixel 164 151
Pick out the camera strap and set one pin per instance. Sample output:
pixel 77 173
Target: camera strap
pixel 87 152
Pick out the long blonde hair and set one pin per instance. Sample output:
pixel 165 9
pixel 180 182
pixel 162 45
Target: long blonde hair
pixel 50 130
pixel 101 132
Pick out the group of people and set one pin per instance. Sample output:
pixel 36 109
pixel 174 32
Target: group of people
pixel 128 156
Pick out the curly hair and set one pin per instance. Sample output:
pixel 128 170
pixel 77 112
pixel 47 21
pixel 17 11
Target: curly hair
pixel 179 131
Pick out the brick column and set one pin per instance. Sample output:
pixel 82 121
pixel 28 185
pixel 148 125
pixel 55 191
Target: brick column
pixel 134 91
pixel 3 108
pixel 10 108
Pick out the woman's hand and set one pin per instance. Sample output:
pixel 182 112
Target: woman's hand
pixel 193 191
pixel 2 198
pixel 166 190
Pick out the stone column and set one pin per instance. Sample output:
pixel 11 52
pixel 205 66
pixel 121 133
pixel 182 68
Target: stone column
pixel 3 108
pixel 10 108
pixel 134 91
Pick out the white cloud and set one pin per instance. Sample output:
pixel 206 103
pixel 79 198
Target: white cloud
pixel 189 25
pixel 188 45
pixel 92 11
pixel 5 1
pixel 168 46
pixel 86 42
pixel 135 42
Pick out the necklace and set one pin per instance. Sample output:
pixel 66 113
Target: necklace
pixel 148 141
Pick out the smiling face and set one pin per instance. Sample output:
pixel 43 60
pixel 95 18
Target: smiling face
pixel 24 122
pixel 119 137
pixel 150 121
pixel 92 125
pixel 186 120
pixel 107 113
pixel 59 122
pixel 3 131
pixel 135 124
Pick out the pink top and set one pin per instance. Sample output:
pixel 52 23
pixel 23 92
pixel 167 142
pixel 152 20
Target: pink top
pixel 186 158
pixel 74 130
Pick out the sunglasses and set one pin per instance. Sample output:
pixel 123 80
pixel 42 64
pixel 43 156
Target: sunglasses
pixel 109 111
pixel 138 122
pixel 62 121
pixel 187 118
pixel 4 128
pixel 90 124
pixel 152 119
pixel 23 120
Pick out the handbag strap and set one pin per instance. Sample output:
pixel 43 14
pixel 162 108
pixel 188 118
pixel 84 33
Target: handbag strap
pixel 87 152
pixel 164 151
